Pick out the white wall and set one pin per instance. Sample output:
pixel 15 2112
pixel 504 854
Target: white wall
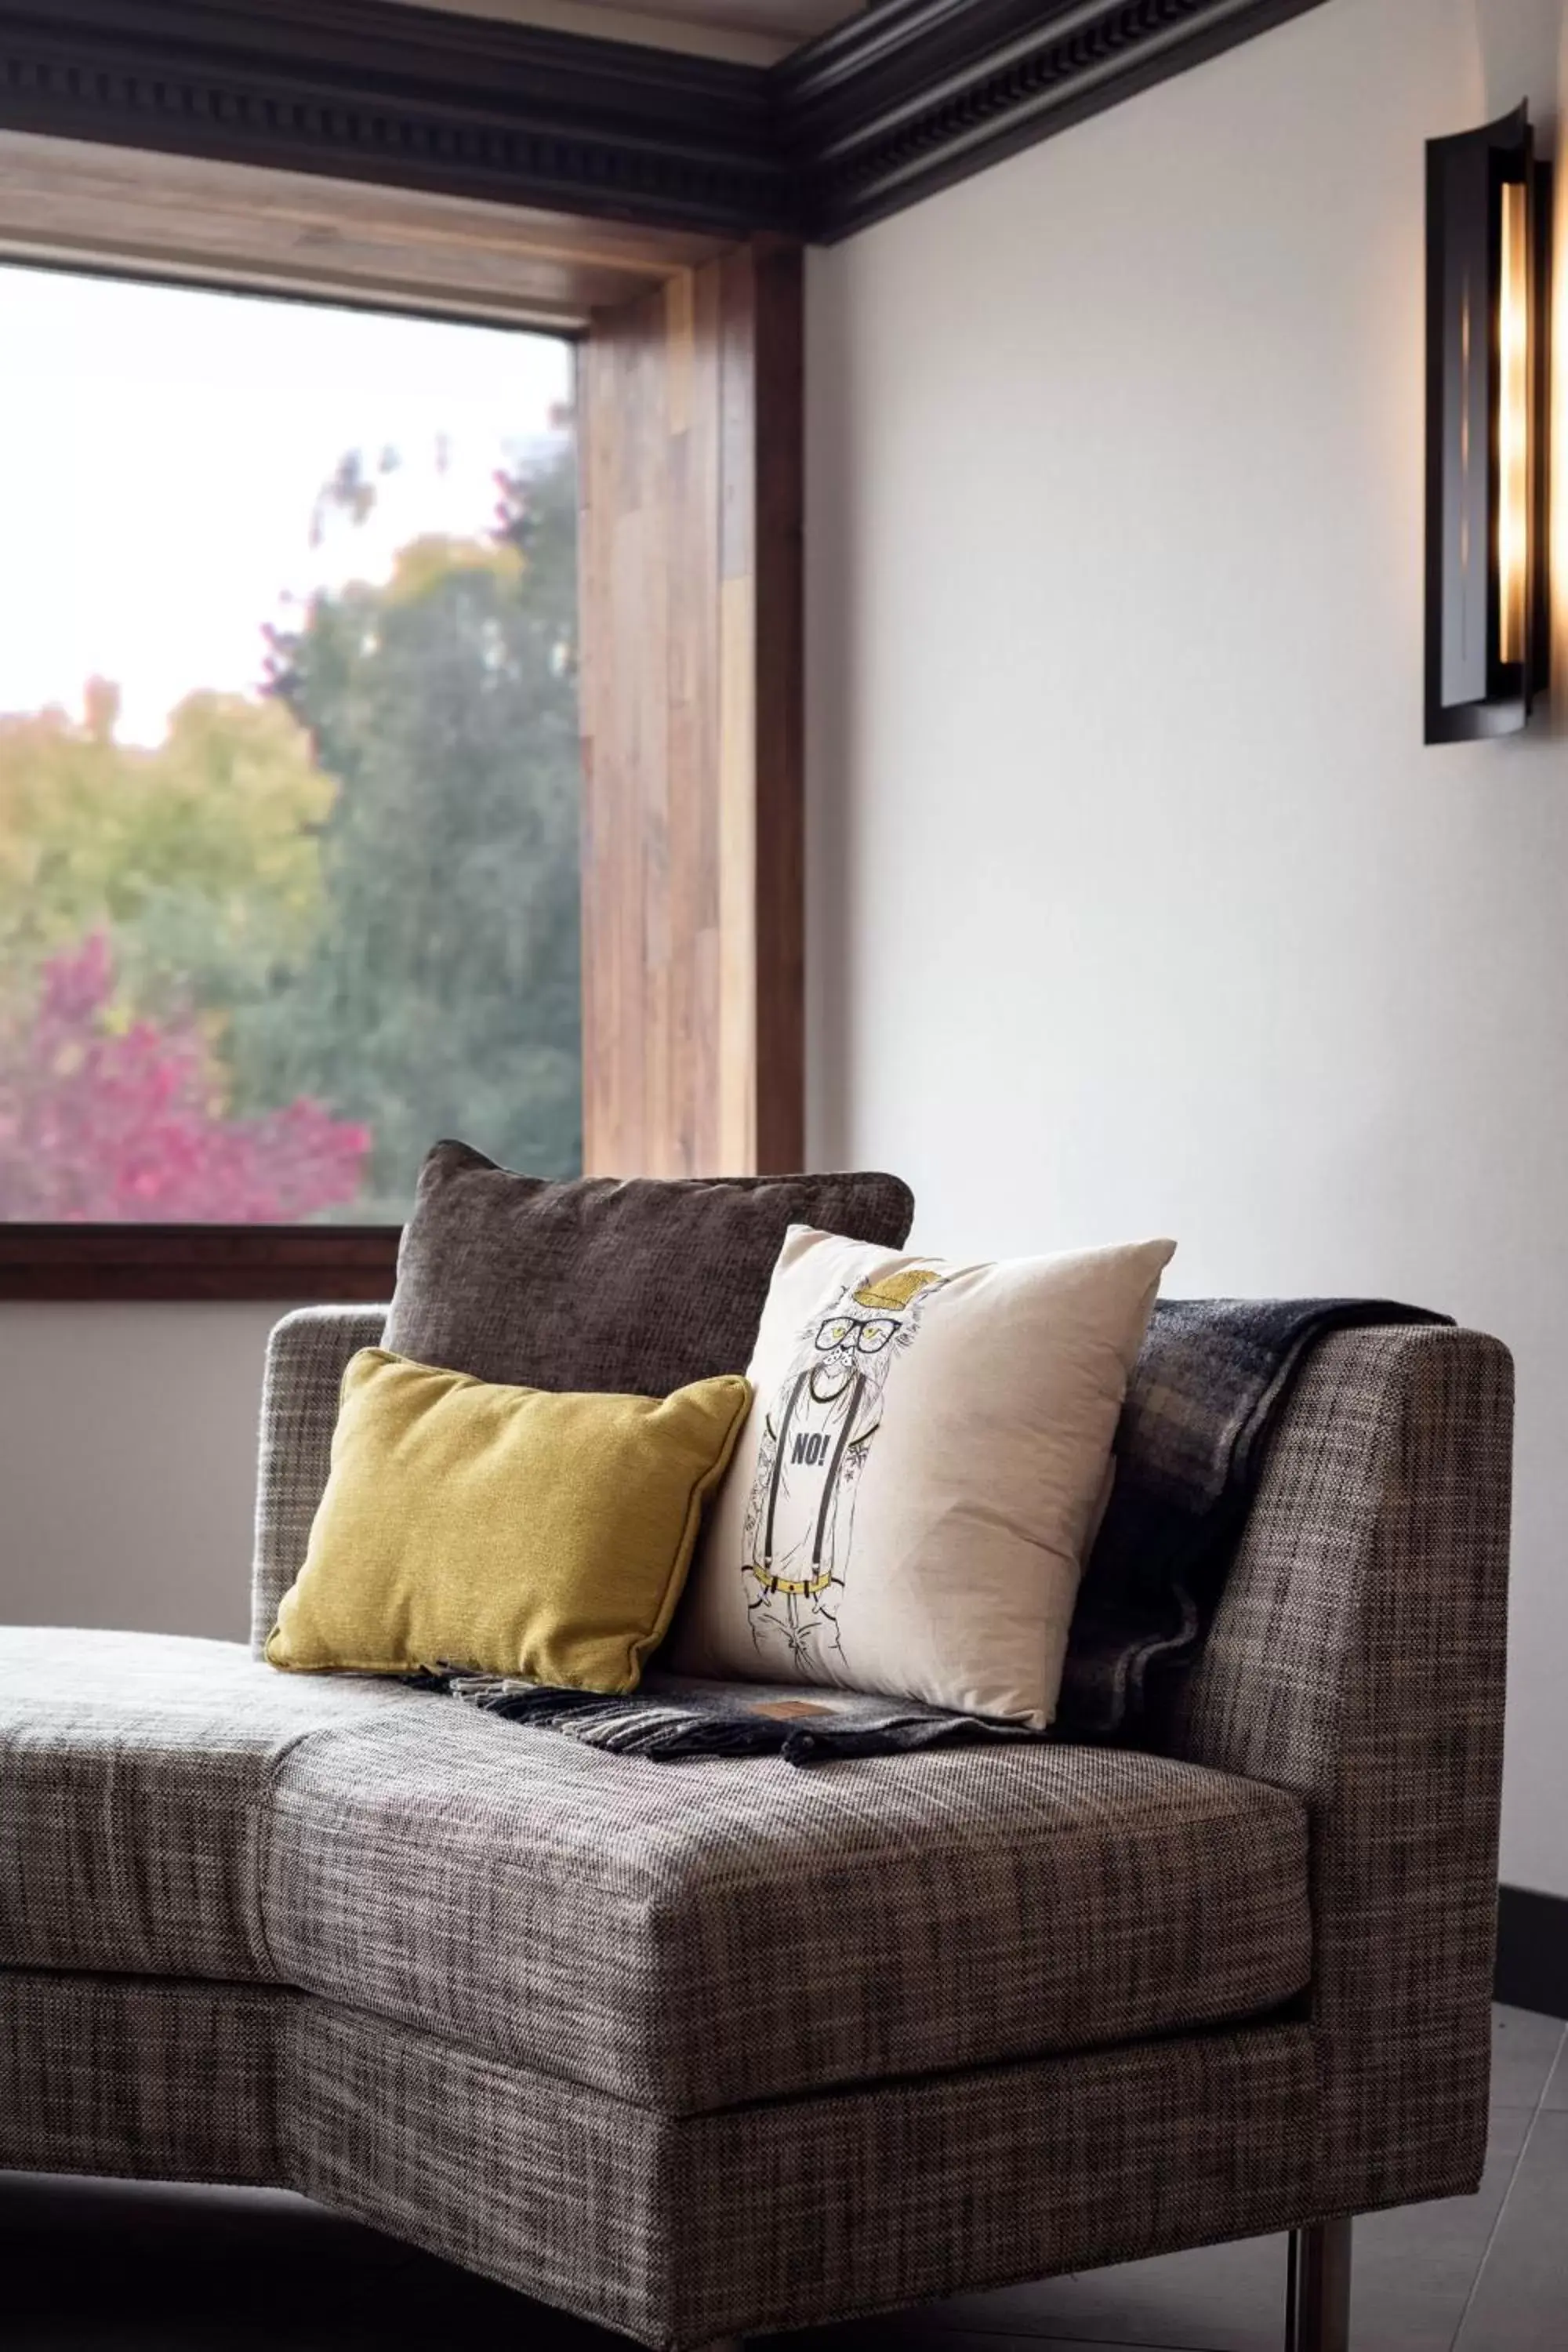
pixel 1136 903
pixel 128 1464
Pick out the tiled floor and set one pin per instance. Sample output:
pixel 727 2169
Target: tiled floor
pixel 90 2266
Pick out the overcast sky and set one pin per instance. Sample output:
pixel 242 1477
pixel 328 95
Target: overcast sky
pixel 160 453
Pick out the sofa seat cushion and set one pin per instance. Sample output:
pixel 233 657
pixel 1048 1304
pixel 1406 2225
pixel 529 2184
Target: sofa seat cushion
pixel 699 1935
pixel 134 1776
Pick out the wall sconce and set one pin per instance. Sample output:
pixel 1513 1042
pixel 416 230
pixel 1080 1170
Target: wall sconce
pixel 1488 257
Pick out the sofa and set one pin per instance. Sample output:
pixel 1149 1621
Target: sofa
pixel 703 2049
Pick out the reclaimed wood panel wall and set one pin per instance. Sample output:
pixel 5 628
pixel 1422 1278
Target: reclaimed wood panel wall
pixel 690 403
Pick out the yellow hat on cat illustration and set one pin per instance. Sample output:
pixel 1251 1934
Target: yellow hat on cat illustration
pixel 894 1291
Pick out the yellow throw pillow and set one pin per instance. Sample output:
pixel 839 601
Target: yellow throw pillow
pixel 503 1531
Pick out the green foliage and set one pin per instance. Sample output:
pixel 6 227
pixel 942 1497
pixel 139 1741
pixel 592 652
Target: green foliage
pixel 201 856
pixel 349 905
pixel 440 994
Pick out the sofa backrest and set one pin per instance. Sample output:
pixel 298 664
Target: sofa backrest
pixel 306 1355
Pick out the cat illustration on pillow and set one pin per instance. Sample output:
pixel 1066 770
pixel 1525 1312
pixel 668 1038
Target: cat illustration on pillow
pixel 817 1433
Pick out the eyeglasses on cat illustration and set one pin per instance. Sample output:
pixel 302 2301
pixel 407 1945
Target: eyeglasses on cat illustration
pixel 817 1433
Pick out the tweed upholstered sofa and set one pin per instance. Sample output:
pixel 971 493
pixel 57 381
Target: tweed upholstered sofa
pixel 697 2049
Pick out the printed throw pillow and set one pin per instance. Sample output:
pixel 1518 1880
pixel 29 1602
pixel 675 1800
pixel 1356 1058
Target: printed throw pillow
pixel 908 1504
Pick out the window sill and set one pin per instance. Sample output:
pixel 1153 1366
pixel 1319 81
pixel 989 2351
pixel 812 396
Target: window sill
pixel 343 1265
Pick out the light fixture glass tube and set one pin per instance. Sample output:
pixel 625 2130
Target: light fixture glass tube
pixel 1513 424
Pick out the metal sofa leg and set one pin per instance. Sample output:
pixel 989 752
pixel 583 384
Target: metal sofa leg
pixel 1317 2289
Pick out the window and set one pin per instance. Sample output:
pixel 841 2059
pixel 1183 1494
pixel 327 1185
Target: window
pixel 289 789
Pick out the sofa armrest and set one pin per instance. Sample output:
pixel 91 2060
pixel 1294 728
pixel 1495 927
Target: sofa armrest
pixel 1358 1659
pixel 305 1357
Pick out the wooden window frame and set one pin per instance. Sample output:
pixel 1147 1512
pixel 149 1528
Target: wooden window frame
pixel 690 425
pixel 617 178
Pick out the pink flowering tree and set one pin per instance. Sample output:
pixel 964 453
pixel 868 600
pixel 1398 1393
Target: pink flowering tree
pixel 107 1121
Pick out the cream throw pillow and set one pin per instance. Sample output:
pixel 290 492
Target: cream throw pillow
pixel 909 1501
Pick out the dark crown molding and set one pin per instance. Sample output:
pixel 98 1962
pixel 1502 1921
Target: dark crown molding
pixel 409 97
pixel 904 98
pixel 916 94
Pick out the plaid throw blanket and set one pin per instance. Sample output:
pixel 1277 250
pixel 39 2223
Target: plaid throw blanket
pixel 1205 1399
pixel 671 1716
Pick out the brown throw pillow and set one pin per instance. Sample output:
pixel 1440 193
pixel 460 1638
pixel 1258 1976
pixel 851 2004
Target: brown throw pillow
pixel 636 1285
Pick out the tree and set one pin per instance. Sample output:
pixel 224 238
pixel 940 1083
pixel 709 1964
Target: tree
pixel 441 992
pixel 200 858
pixel 101 1120
pixel 310 932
